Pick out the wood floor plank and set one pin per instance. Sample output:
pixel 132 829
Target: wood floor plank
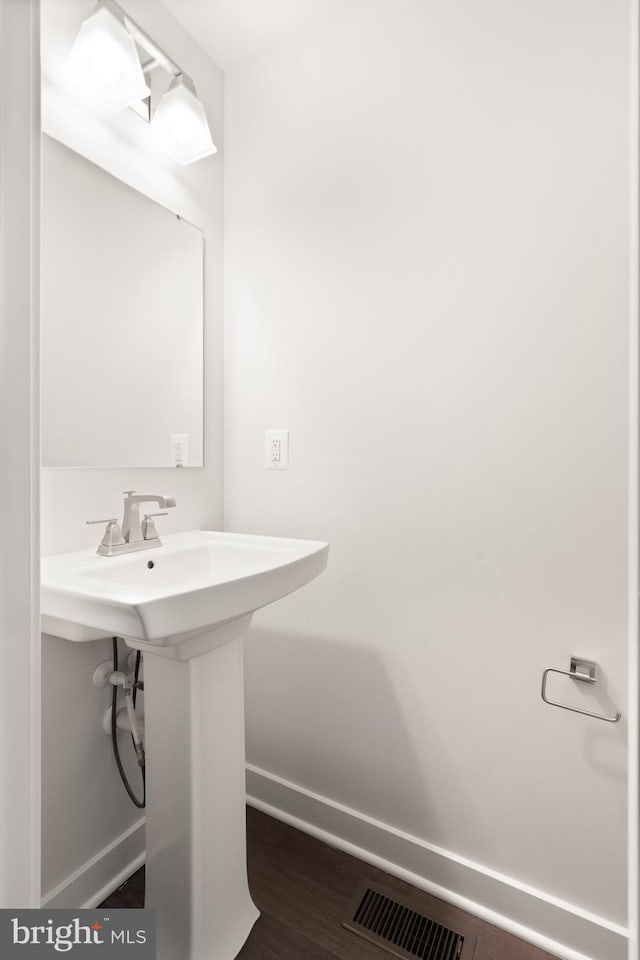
pixel 305 905
pixel 272 841
pixel 271 940
pixel 130 895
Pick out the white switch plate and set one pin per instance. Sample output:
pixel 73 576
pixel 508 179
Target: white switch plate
pixel 277 449
pixel 180 449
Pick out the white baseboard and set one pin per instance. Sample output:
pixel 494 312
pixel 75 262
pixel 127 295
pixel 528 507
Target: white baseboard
pixel 553 925
pixel 92 883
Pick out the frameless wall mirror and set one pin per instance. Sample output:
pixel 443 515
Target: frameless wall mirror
pixel 121 323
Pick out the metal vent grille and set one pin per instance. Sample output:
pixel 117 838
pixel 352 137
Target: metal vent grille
pixel 404 932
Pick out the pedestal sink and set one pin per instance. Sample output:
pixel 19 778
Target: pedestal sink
pixel 186 606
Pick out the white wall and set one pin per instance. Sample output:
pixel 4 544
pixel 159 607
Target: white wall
pixel 19 454
pixel 633 797
pixel 86 809
pixel 426 271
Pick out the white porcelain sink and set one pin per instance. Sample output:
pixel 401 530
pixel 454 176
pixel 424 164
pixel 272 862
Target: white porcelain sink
pixel 195 582
pixel 187 603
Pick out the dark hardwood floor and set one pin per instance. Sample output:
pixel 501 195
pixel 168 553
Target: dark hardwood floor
pixel 304 888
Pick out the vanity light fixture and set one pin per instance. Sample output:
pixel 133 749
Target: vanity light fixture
pixel 180 126
pixel 105 59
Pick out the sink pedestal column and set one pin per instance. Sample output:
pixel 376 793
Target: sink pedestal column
pixel 196 877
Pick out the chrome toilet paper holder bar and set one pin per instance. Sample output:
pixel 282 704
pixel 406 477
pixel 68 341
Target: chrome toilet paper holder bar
pixel 584 670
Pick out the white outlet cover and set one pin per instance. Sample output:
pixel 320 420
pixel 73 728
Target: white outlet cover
pixel 180 449
pixel 276 449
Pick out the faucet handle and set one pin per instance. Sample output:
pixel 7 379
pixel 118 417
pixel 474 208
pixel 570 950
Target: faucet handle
pixel 113 534
pixel 149 531
pixel 128 493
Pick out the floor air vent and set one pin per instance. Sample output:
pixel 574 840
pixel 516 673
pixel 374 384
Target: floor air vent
pixel 404 932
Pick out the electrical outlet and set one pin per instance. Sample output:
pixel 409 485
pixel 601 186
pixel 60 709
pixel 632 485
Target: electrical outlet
pixel 180 449
pixel 277 450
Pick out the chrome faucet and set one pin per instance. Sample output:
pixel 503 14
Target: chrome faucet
pixel 133 535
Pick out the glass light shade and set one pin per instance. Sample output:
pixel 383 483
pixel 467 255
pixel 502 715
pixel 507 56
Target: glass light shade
pixel 180 125
pixel 104 60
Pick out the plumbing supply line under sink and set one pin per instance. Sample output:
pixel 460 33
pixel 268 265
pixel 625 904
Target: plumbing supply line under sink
pixel 130 689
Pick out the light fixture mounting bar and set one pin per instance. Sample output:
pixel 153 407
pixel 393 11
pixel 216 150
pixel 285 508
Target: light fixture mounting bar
pixel 158 57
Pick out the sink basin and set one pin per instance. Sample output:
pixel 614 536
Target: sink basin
pixel 166 597
pixel 187 604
